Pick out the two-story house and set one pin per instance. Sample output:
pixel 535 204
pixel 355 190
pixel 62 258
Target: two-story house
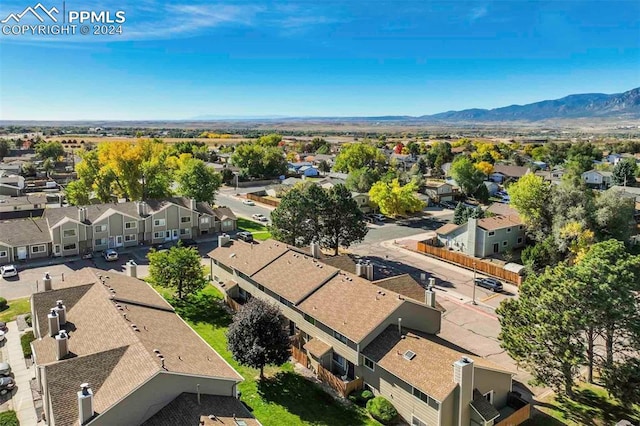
pixel 109 350
pixel 439 191
pixel 597 179
pixel 504 173
pixel 353 333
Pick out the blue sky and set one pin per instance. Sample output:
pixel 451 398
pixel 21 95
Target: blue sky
pixel 179 60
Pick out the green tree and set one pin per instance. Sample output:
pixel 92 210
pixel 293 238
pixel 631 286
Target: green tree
pixel 52 150
pixel 4 148
pixel 542 329
pixel 178 268
pixel 622 380
pixel 361 180
pixel 466 175
pixel 538 256
pixel 530 196
pixel 357 155
pixel 257 336
pixel 77 193
pixel 460 214
pixel 289 219
pixel 624 173
pixel 271 140
pixel 343 223
pixel 393 199
pixel 614 215
pixel 259 161
pixel 196 180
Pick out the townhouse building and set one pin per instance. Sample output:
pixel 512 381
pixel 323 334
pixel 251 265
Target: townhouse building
pixel 354 333
pixel 69 231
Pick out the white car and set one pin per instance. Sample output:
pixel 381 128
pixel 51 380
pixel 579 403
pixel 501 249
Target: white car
pixel 259 217
pixel 248 203
pixel 2 336
pixel 110 255
pixel 8 271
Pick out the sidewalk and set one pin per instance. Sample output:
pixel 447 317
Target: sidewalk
pixel 22 400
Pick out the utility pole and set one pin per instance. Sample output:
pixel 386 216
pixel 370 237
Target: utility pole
pixel 474 283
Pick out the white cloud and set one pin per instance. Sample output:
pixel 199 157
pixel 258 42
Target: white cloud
pixel 477 13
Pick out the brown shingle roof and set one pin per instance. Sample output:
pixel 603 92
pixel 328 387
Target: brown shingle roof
pixel 510 171
pixel 248 258
pixel 294 275
pixel 23 232
pixel 334 305
pixel 407 286
pixel 502 209
pixel 185 410
pixel 447 228
pixel 99 334
pixel 317 347
pixel 499 222
pixel 430 370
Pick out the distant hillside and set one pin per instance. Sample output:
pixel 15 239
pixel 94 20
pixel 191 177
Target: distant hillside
pixel 622 105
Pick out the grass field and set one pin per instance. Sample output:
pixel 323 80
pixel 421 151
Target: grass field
pixel 260 232
pixel 283 398
pixel 16 307
pixel 590 406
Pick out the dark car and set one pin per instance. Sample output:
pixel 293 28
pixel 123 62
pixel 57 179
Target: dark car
pixel 245 236
pixel 490 283
pixel 6 385
pixel 189 243
pixel 3 326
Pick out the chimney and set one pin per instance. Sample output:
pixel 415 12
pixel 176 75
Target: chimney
pixel 62 341
pixel 430 297
pixel 223 240
pixel 463 376
pixel 132 269
pixel 142 208
pixel 472 229
pixel 315 250
pixel 368 271
pixel 85 404
pixel 82 214
pixel 192 204
pixel 359 269
pixel 61 310
pixel 54 323
pixel 47 281
pixel 432 282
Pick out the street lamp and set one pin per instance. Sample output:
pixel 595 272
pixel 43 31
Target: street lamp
pixel 474 283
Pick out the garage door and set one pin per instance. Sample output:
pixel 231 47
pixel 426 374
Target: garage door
pixel 22 253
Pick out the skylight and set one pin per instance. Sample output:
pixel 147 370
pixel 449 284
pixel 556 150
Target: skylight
pixel 409 355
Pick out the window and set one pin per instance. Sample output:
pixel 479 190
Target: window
pixel 3 253
pixel 309 319
pixel 159 222
pixel 69 233
pixel 38 249
pixel 340 337
pixel 521 227
pixel 185 231
pixel 369 364
pixel 158 235
pixel 519 240
pixel 339 360
pixel 508 229
pixel 489 396
pixel 101 241
pixel 420 395
pixel 492 233
pixel 417 422
pixel 227 223
pixel 130 225
pixel 101 228
pixel 285 302
pixel 71 246
pixel 185 219
pixel 131 237
pixel 204 220
pixel 504 243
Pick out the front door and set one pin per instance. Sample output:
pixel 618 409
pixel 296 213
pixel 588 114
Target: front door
pixel 22 253
pixel 118 240
pixel 167 235
pixel 112 242
pixel 175 234
pixel 496 247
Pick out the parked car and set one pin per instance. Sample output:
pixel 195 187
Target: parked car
pixel 248 203
pixel 8 271
pixel 2 336
pixel 489 283
pixel 189 243
pixel 378 217
pixel 6 385
pixel 110 255
pixel 259 217
pixel 5 369
pixel 245 236
pixel 449 205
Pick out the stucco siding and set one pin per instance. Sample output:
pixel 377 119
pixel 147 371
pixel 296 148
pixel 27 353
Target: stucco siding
pixel 147 400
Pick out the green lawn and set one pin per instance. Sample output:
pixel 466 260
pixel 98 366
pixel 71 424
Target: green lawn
pixel 284 397
pixel 591 405
pixel 16 307
pixel 260 232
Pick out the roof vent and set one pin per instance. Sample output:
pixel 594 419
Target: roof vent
pixel 409 355
pixel 156 351
pixel 232 255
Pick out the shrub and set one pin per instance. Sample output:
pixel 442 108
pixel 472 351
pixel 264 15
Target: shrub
pixel 3 304
pixel 360 397
pixel 9 418
pixel 367 395
pixel 381 409
pixel 27 319
pixel 25 341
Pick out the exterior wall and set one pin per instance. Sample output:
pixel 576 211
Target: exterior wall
pixel 456 240
pixel 485 242
pixel 59 238
pixel 399 393
pixel 487 380
pixel 8 254
pixel 227 225
pixel 155 394
pixel 100 235
pixel 447 410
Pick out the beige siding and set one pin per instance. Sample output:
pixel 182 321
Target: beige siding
pixel 157 393
pixel 8 251
pixel 447 410
pixel 80 235
pixel 500 383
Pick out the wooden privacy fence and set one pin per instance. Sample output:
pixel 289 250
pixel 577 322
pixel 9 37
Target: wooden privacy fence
pixel 299 356
pixel 517 417
pixel 462 259
pixel 233 304
pixel 264 200
pixel 337 384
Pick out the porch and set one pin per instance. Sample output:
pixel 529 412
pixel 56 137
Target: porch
pixel 516 411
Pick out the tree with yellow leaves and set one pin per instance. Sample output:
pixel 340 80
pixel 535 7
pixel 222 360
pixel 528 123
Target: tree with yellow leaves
pixel 485 167
pixel 393 199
